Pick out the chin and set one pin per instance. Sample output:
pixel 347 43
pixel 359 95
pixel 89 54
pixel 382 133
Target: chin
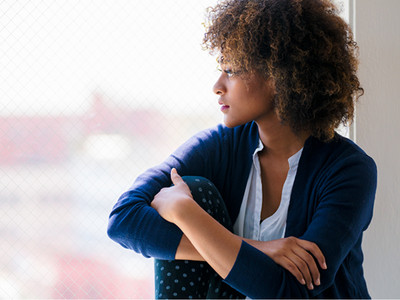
pixel 233 124
pixel 229 125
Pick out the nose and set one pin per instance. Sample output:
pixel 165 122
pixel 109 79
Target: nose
pixel 219 87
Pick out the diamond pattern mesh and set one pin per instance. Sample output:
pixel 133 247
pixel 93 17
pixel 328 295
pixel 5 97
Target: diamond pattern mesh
pixel 92 93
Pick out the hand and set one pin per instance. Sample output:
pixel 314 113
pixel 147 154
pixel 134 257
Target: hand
pixel 169 199
pixel 296 256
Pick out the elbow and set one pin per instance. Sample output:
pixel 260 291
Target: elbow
pixel 114 232
pixel 111 230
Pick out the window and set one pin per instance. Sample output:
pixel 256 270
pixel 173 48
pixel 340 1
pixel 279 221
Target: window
pixel 92 94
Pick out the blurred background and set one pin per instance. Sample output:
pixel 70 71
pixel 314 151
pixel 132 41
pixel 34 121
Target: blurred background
pixel 92 93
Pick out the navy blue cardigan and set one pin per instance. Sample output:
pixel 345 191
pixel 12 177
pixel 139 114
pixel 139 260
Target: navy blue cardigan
pixel 331 205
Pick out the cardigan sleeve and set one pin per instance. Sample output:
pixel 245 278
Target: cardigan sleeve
pixel 342 213
pixel 134 224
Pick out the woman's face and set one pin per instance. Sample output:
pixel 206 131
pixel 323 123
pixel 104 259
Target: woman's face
pixel 241 103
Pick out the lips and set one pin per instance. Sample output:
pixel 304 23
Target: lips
pixel 223 106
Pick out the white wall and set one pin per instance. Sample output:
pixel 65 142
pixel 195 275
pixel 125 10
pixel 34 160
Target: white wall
pixel 377 26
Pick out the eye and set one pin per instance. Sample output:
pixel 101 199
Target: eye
pixel 230 73
pixel 227 70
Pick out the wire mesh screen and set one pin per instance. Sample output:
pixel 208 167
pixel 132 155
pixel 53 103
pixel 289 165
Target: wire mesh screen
pixel 92 93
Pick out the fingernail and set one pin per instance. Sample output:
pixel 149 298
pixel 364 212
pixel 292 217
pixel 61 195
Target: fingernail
pixel 310 286
pixel 303 282
pixel 324 266
pixel 317 282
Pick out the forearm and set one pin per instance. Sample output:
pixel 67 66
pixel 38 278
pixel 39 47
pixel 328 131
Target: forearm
pixel 186 251
pixel 205 238
pixel 214 243
pixel 291 253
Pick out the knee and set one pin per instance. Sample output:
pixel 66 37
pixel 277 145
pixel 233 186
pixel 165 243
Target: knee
pixel 200 186
pixel 202 189
pixel 208 197
pixel 197 181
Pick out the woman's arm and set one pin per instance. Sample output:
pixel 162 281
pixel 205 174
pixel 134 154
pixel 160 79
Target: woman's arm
pixel 280 251
pixel 220 249
pixel 186 251
pixel 333 215
pixel 134 224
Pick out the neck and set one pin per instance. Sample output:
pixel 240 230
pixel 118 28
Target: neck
pixel 279 140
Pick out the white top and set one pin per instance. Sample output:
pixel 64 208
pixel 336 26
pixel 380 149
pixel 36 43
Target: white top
pixel 248 224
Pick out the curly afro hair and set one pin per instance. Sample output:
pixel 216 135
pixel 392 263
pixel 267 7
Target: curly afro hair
pixel 303 45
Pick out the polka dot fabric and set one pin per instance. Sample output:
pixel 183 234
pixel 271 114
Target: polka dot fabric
pixel 184 279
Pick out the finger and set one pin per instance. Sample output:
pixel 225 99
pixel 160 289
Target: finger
pixel 303 268
pixel 308 267
pixel 314 250
pixel 175 177
pixel 293 268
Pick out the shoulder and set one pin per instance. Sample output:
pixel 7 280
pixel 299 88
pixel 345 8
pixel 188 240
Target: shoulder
pixel 337 165
pixel 338 152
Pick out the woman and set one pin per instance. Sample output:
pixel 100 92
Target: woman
pixel 276 202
